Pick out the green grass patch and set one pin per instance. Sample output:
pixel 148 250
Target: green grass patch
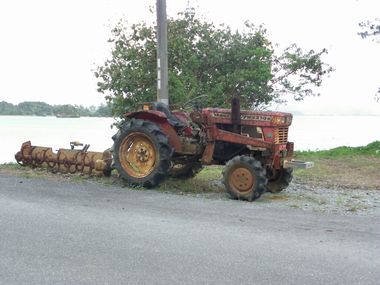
pixel 344 167
pixel 10 166
pixel 372 149
pixel 208 180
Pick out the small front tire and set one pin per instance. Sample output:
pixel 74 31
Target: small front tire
pixel 244 178
pixel 279 179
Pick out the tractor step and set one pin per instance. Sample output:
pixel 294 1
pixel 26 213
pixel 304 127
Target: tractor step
pixel 298 164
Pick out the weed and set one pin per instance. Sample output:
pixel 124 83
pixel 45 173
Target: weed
pixel 342 167
pixel 340 200
pixel 295 206
pixel 10 166
pixel 371 149
pixel 206 181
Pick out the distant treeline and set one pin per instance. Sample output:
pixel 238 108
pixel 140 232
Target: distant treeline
pixel 44 109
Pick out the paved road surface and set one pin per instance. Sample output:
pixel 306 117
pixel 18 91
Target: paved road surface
pixel 86 233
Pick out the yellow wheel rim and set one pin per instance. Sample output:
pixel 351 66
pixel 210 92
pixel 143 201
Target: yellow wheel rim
pixel 242 180
pixel 138 155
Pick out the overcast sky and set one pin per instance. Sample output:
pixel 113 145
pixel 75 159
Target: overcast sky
pixel 49 49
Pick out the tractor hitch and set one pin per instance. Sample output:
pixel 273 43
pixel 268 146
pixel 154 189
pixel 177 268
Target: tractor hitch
pixel 298 164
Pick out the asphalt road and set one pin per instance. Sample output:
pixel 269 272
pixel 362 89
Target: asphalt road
pixel 57 232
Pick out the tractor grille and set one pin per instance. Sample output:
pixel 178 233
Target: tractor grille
pixel 281 135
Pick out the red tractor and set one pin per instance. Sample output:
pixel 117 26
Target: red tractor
pixel 155 142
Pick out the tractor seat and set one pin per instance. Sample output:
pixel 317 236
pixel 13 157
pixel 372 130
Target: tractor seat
pixel 172 119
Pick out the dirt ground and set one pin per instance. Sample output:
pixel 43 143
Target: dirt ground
pixel 358 172
pixel 331 195
pixel 316 197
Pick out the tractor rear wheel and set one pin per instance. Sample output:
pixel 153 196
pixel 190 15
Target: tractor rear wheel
pixel 279 180
pixel 141 153
pixel 244 178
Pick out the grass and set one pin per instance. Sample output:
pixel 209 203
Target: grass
pixel 30 172
pixel 10 166
pixel 372 149
pixel 342 167
pixel 345 167
pixel 205 181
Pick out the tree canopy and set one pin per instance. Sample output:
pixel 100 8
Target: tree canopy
pixel 44 109
pixel 207 59
pixel 371 29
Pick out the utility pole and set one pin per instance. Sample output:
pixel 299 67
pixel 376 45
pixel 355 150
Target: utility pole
pixel 162 53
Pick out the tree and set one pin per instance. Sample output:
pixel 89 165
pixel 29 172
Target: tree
pixel 103 111
pixel 371 29
pixel 34 108
pixel 7 108
pixel 66 110
pixel 205 59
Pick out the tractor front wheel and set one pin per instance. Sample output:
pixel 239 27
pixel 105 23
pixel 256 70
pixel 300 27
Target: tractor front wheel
pixel 244 178
pixel 279 180
pixel 141 153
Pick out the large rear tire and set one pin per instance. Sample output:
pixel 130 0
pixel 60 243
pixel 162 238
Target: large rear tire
pixel 279 179
pixel 244 178
pixel 141 153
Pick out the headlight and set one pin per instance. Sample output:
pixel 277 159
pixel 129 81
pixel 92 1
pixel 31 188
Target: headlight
pixel 146 107
pixel 278 120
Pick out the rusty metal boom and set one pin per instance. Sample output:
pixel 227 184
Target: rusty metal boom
pixel 66 160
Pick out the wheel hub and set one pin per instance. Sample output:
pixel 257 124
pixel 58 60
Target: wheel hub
pixel 242 180
pixel 138 157
pixel 142 153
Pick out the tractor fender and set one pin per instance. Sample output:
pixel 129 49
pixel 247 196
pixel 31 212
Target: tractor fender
pixel 149 115
pixel 161 120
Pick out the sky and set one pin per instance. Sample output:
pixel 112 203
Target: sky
pixel 50 49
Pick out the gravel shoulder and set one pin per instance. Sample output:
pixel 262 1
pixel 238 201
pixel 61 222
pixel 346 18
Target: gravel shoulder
pixel 301 195
pixel 342 200
pixel 317 198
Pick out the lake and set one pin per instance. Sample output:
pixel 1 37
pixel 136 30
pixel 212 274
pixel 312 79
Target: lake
pixel 307 132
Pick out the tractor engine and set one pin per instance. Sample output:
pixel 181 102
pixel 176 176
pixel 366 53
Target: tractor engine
pixel 267 131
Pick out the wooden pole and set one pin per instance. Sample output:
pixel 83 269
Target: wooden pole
pixel 162 53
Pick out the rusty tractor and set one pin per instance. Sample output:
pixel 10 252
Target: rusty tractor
pixel 154 142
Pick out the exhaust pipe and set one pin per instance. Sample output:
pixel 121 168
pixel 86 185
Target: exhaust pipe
pixel 235 115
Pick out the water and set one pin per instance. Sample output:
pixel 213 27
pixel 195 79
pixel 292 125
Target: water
pixel 325 132
pixel 307 132
pixel 53 132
